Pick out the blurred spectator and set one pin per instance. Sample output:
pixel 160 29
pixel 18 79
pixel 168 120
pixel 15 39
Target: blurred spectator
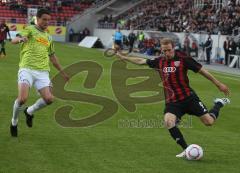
pixel 59 21
pixel 208 48
pixel 186 45
pixel 86 32
pixel 118 38
pixel 195 48
pixel 232 46
pixel 179 16
pixel 226 49
pixel 71 34
pixel 141 38
pixel 131 40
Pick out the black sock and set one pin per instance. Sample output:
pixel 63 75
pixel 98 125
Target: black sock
pixel 4 51
pixel 214 112
pixel 178 137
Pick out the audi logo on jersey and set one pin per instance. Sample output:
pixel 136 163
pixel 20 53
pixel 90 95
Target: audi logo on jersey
pixel 169 69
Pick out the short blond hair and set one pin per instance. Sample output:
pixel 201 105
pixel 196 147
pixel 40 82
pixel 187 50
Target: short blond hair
pixel 166 41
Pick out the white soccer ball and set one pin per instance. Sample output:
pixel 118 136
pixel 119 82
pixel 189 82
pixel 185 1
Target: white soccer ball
pixel 194 152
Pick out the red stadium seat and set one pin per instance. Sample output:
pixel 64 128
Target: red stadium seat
pixel 67 11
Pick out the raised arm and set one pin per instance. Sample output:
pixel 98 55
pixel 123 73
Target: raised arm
pixel 222 87
pixel 19 39
pixel 134 60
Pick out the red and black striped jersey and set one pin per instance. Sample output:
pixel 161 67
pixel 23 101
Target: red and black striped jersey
pixel 173 73
pixel 3 31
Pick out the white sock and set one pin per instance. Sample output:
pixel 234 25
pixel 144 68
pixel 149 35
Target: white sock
pixel 39 104
pixel 16 110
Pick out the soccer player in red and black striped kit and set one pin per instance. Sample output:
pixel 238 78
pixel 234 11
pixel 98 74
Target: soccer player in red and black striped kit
pixel 180 98
pixel 4 30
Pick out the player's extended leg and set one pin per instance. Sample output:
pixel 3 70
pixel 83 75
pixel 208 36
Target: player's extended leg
pixel 116 47
pixel 1 51
pixel 170 123
pixel 47 99
pixel 209 118
pixel 23 90
pixel 3 48
pixel 47 95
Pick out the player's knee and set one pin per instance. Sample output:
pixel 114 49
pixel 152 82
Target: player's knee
pixel 169 120
pixel 49 100
pixel 208 122
pixel 22 100
pixel 169 123
pixel 207 119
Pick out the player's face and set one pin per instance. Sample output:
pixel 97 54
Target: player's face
pixel 43 21
pixel 168 50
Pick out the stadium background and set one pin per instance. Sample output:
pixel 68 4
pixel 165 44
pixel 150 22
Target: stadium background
pixel 127 141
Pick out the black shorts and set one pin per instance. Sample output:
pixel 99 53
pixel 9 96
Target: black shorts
pixel 118 42
pixel 2 44
pixel 191 105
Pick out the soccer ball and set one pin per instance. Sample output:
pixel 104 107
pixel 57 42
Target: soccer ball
pixel 194 152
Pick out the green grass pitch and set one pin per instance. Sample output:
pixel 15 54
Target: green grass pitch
pixel 109 147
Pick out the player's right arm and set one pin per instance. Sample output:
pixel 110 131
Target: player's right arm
pixel 22 36
pixel 134 60
pixel 19 39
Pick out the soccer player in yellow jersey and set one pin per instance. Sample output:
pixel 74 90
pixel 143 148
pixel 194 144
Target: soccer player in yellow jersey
pixel 36 50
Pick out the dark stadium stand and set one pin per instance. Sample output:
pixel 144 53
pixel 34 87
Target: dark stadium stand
pixel 179 16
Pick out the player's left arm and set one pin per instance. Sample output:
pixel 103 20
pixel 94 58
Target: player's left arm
pixel 56 64
pixel 222 87
pixel 197 68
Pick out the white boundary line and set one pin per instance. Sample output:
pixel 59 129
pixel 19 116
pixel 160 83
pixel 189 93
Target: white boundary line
pixel 226 75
